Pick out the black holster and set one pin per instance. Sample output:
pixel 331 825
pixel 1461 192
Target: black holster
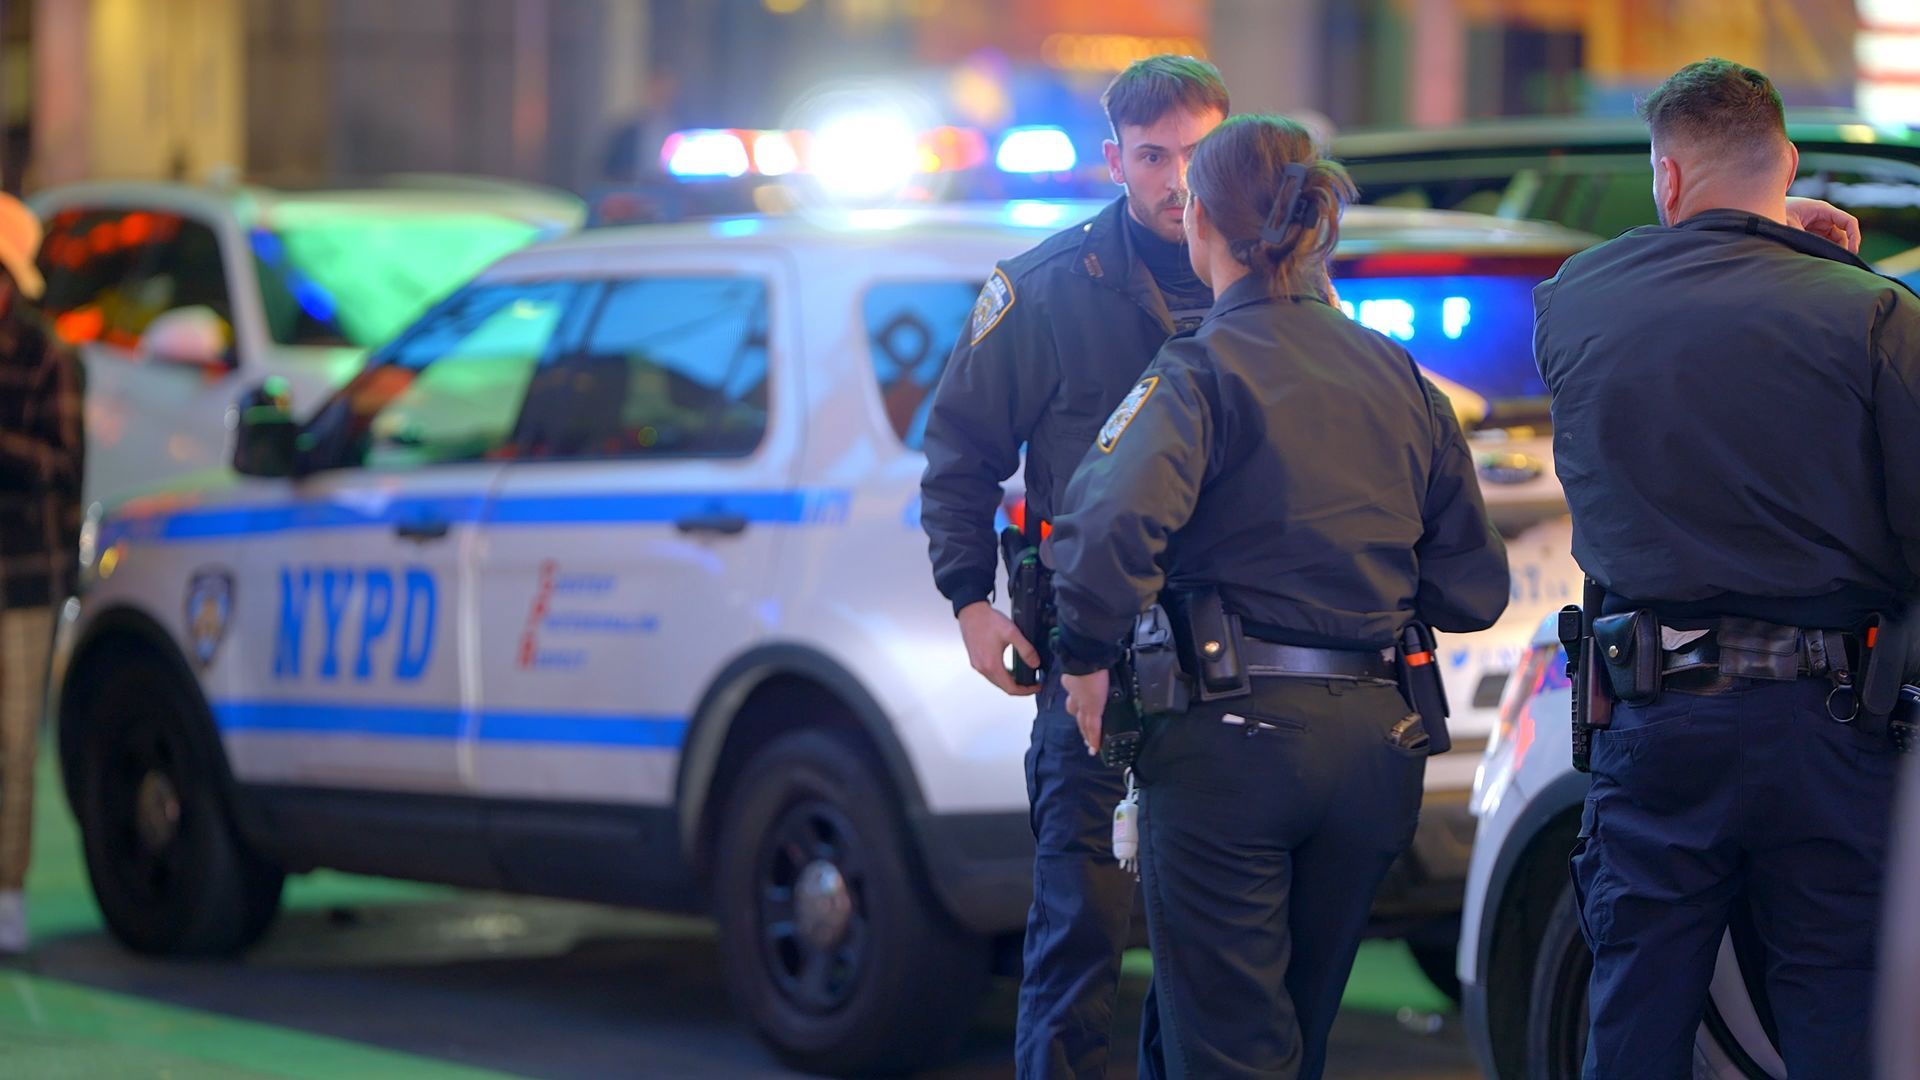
pixel 1418 664
pixel 1887 704
pixel 1592 703
pixel 1030 596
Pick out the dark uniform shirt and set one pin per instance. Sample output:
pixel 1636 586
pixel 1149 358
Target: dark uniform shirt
pixel 1060 334
pixel 41 455
pixel 1296 460
pixel 1736 411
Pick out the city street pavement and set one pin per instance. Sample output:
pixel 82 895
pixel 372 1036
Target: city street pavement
pixel 362 977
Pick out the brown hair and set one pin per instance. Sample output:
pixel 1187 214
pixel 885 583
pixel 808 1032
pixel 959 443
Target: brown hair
pixel 1149 88
pixel 1273 197
pixel 1718 104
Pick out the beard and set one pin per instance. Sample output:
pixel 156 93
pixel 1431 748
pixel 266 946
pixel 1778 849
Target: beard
pixel 1152 215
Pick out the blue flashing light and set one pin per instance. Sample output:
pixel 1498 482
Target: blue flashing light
pixel 267 247
pixel 737 227
pixel 313 300
pixel 1035 150
pixel 1475 329
pixel 706 153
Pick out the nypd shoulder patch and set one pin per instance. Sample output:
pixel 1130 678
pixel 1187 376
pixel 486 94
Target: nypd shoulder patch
pixel 1122 416
pixel 996 299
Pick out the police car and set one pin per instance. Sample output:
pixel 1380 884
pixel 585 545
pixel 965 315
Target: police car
pixel 605 580
pixel 178 295
pixel 1523 964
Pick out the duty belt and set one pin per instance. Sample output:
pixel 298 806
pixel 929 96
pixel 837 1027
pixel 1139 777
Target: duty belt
pixel 1270 659
pixel 1820 652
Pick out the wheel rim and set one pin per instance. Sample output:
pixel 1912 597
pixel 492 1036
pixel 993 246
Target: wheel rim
pixel 811 883
pixel 145 818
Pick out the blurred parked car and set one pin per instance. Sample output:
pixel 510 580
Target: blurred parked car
pixel 179 295
pixel 1593 174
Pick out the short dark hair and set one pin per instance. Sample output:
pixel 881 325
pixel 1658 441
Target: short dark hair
pixel 1148 88
pixel 1719 104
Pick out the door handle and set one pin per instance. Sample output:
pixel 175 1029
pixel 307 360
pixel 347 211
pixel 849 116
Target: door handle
pixel 421 529
pixel 717 522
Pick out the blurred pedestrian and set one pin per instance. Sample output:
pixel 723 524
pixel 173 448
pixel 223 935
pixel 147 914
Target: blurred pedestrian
pixel 40 472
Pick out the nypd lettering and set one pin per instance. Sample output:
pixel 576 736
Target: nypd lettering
pixel 996 299
pixel 1130 405
pixel 393 609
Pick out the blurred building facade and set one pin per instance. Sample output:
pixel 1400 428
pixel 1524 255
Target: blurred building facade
pixel 577 92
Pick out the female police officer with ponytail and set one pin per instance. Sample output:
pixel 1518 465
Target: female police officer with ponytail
pixel 1297 467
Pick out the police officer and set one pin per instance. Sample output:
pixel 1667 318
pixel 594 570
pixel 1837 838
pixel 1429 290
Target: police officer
pixel 1736 407
pixel 1299 464
pixel 1058 336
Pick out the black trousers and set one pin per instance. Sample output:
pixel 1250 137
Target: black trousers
pixel 1699 802
pixel 1261 853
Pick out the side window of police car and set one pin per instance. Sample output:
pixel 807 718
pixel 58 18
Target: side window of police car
pixel 110 273
pixel 447 390
pixel 671 367
pixel 911 328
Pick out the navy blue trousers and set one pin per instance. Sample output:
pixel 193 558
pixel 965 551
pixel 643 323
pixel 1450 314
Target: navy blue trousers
pixel 1702 801
pixel 1261 855
pixel 1082 908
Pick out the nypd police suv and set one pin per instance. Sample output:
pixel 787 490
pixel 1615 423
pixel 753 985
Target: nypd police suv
pixel 605 580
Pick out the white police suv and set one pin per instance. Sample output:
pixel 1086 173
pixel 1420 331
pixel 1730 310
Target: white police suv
pixel 605 580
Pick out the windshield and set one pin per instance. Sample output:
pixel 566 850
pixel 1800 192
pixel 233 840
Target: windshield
pixel 357 280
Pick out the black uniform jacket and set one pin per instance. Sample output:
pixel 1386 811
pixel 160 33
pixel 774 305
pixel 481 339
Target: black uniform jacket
pixel 1296 460
pixel 1060 334
pixel 1736 410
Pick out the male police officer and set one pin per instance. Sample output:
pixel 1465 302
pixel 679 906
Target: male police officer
pixel 1737 414
pixel 1060 334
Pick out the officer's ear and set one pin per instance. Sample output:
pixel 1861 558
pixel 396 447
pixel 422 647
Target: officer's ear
pixel 1111 149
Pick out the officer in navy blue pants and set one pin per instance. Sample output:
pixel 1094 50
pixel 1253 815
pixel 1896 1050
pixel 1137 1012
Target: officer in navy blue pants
pixel 1736 408
pixel 1750 793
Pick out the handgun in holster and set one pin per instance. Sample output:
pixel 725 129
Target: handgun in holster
pixel 1030 598
pixel 1417 661
pixel 1592 703
pixel 1147 682
pixel 1888 699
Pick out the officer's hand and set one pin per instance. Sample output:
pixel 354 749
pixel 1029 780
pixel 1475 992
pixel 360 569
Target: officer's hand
pixel 1087 701
pixel 987 634
pixel 1825 220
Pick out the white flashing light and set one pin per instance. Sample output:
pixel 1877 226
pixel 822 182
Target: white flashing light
pixel 1035 150
pixel 1393 318
pixel 1033 213
pixel 865 155
pixel 1346 308
pixel 1455 313
pixel 705 153
pixel 774 154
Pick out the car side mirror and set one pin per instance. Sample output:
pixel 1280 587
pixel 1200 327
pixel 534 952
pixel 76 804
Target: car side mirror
pixel 265 437
pixel 194 337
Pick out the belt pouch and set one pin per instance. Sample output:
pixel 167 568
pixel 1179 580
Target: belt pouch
pixel 1753 649
pixel 1629 646
pixel 1212 645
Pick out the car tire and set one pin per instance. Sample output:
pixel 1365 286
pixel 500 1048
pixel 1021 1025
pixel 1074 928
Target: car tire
pixel 170 871
pixel 1557 1006
pixel 835 951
